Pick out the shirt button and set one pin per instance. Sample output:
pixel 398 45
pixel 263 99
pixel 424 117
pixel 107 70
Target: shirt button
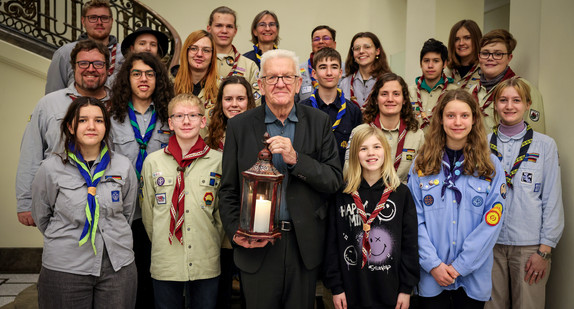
pixel 187 210
pixel 188 229
pixel 454 201
pixel 189 246
pixel 453 222
pixel 190 264
pixel 454 242
pixel 478 188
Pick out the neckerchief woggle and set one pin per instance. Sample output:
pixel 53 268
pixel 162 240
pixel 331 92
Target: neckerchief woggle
pixel 92 206
pixel 142 141
pixel 401 142
pixel 366 250
pixel 450 178
pixel 425 118
pixel 236 54
pixel 526 141
pixel 258 54
pixel 341 111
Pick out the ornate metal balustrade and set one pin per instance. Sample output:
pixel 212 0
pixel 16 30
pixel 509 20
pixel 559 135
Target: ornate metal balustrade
pixel 42 26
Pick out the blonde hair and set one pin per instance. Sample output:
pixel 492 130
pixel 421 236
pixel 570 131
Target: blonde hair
pixel 354 173
pixel 519 85
pixel 185 99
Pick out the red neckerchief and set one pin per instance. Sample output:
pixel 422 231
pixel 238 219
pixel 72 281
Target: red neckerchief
pixel 509 73
pixel 426 119
pixel 198 150
pixel 237 55
pixel 400 144
pixel 113 60
pixel 367 222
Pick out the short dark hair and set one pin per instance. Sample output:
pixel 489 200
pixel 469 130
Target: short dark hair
pixel 324 54
pixel 256 20
pixel 223 10
pixel 87 45
pixel 499 36
pixel 434 46
pixel 321 27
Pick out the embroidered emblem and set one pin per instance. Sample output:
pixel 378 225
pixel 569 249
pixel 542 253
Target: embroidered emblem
pixel 160 181
pixel 344 144
pixel 492 217
pixel 532 157
pixel 537 187
pixel 429 200
pixel 497 206
pixel 163 145
pixel 208 198
pixel 214 179
pixel 409 157
pixel 534 115
pixel 526 177
pixel 115 196
pixel 503 190
pixel 117 177
pixel 160 198
pixel 477 201
pixel 156 174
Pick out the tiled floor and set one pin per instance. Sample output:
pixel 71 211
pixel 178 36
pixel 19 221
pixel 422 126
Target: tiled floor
pixel 12 284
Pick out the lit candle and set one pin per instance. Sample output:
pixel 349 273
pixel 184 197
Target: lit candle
pixel 262 214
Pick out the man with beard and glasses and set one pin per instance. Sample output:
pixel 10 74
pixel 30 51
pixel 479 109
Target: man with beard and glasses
pixel 90 62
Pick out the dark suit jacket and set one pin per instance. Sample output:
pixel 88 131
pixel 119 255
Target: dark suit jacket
pixel 316 175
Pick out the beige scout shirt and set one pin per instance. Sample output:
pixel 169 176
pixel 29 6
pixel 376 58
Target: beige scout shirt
pixel 534 116
pixel 245 67
pixel 198 257
pixel 428 100
pixel 459 80
pixel 413 142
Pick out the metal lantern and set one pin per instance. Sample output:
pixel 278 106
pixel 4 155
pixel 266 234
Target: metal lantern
pixel 261 195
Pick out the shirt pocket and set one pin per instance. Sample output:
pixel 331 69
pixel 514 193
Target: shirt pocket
pixel 478 192
pixel 110 196
pixel 53 133
pixel 163 187
pixel 431 194
pixel 158 140
pixel 209 184
pixel 71 200
pixel 123 143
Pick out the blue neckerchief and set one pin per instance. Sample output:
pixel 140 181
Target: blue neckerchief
pixel 341 111
pixel 451 177
pixel 92 206
pixel 142 141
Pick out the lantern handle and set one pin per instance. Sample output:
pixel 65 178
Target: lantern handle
pixel 265 153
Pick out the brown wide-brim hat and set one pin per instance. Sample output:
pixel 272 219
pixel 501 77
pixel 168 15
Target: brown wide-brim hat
pixel 162 40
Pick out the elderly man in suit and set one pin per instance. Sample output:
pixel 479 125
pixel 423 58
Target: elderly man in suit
pixel 282 274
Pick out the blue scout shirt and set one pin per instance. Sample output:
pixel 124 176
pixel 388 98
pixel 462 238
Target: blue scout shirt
pixel 458 234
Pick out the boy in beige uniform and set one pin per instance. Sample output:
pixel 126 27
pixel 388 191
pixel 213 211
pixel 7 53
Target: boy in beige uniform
pixel 430 87
pixel 223 27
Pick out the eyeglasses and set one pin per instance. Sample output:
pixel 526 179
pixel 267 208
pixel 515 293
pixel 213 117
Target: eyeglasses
pixel 495 55
pixel 272 80
pixel 194 49
pixel 325 38
pixel 364 46
pixel 137 74
pixel 265 25
pixel 191 117
pixel 86 64
pixel 94 18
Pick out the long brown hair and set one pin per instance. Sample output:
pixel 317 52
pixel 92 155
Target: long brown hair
pixel 183 83
pixel 218 124
pixel 475 37
pixel 372 104
pixel 476 151
pixel 380 66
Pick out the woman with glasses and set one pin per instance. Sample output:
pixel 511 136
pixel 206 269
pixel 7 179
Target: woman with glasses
pixel 83 201
pixel 138 108
pixel 463 48
pixel 496 49
pixel 180 211
pixel 366 61
pixel 197 73
pixel 264 35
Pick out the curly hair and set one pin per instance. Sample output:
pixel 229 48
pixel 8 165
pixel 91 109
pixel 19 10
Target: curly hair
pixel 122 90
pixel 476 151
pixel 71 120
pixel 183 83
pixel 218 124
pixel 475 36
pixel 380 66
pixel 372 104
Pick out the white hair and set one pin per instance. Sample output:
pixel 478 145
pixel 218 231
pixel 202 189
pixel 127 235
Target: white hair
pixel 280 53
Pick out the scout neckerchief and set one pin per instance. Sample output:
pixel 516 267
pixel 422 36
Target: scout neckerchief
pixel 341 111
pixel 258 52
pixel 113 60
pixel 198 150
pixel 367 222
pixel 451 177
pixel 526 141
pixel 142 141
pixel 468 75
pixel 401 142
pixel 235 61
pixel 489 96
pixel 314 82
pixel 353 97
pixel 425 118
pixel 92 206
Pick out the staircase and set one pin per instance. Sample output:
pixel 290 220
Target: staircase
pixel 42 26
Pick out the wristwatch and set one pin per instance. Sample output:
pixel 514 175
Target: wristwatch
pixel 544 255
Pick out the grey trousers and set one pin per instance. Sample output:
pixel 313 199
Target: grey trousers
pixel 60 290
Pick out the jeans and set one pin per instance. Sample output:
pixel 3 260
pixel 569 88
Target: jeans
pixel 200 294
